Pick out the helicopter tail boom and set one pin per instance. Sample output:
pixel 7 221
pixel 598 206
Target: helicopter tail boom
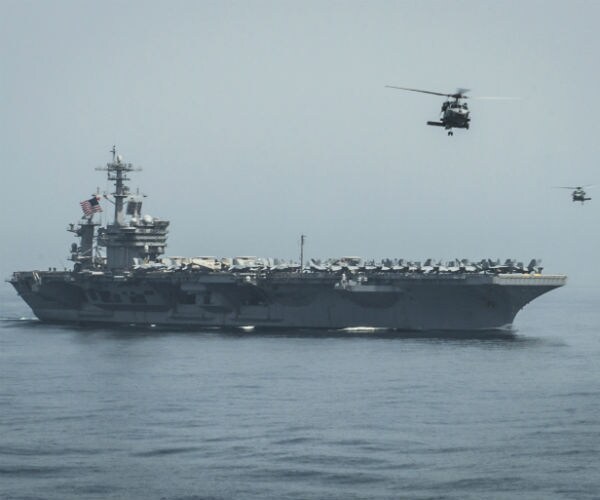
pixel 436 124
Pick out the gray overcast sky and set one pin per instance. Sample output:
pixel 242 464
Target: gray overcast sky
pixel 257 121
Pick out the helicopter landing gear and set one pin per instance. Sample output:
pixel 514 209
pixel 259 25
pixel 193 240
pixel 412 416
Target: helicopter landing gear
pixel 450 132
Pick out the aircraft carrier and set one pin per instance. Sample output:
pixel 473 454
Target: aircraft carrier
pixel 121 277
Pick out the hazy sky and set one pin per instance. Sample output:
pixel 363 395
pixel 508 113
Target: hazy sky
pixel 257 121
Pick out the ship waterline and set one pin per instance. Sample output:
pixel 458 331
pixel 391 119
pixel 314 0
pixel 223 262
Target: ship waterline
pixel 131 283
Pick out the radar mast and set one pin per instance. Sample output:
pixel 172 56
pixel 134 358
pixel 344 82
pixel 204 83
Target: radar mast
pixel 117 171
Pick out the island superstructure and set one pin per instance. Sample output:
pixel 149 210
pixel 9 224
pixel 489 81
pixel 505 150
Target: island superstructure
pixel 120 276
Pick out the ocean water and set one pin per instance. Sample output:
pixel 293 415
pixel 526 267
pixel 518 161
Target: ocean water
pixel 152 414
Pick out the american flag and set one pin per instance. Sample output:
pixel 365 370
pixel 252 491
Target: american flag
pixel 90 206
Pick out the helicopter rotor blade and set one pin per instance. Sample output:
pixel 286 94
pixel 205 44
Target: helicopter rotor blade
pixel 419 90
pixel 460 93
pixel 494 98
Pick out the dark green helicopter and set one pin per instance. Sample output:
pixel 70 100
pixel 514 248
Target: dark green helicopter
pixel 578 193
pixel 455 112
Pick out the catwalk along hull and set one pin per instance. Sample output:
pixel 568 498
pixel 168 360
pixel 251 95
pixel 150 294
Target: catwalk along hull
pixel 397 301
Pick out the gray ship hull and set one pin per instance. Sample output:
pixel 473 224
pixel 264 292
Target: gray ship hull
pixel 403 301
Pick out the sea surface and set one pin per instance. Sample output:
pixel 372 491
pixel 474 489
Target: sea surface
pixel 154 414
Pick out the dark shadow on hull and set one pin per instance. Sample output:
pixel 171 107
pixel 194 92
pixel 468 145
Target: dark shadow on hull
pixel 144 330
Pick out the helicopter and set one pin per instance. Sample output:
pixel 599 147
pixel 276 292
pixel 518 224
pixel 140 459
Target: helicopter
pixel 455 112
pixel 578 193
